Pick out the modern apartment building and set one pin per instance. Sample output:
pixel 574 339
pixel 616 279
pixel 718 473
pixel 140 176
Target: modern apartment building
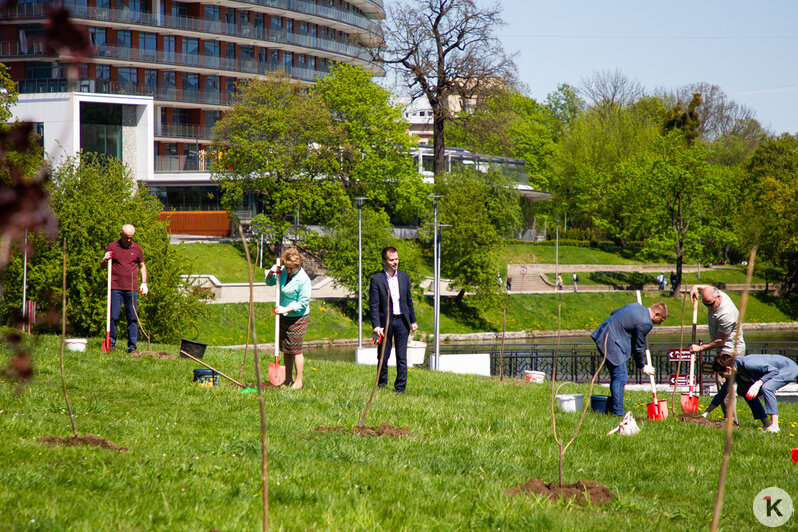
pixel 165 71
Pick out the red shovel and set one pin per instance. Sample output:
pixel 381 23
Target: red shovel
pixel 689 402
pixel 658 409
pixel 106 344
pixel 276 371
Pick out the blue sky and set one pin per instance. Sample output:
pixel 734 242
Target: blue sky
pixel 749 49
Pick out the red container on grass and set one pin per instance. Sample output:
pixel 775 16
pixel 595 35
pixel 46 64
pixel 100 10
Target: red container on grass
pixel 795 455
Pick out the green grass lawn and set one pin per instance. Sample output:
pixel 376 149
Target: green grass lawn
pixel 528 253
pixel 226 261
pixel 194 454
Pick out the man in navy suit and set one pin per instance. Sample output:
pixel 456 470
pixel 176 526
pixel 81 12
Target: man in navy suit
pixel 402 321
pixel 625 333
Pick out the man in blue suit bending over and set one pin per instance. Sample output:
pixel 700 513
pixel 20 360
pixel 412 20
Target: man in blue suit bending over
pixel 400 309
pixel 625 332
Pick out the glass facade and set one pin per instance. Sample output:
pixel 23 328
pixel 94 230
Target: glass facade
pixel 101 129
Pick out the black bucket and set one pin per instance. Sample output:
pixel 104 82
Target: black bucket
pixel 206 376
pixel 195 349
pixel 599 403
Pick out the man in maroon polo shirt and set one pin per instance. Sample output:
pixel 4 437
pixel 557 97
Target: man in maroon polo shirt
pixel 124 283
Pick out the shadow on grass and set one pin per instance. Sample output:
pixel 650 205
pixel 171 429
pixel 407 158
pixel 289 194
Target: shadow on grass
pixel 788 305
pixel 462 313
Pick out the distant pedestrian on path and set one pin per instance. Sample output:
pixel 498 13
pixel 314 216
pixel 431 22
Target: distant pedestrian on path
pixel 661 280
pixel 499 280
pixel 509 283
pixel 576 280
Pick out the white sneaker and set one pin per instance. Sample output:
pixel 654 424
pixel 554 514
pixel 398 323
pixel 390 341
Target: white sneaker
pixel 774 429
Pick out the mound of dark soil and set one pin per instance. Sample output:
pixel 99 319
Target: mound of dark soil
pixel 84 439
pixel 385 429
pixel 698 419
pixel 579 492
pixel 153 354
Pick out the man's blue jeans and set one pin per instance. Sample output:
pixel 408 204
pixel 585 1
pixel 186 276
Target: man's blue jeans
pixel 618 378
pixel 128 298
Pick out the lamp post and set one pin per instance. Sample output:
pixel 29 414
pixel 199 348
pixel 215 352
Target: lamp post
pixel 436 276
pixel 359 272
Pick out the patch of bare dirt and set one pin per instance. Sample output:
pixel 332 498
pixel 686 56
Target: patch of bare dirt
pixel 153 354
pixel 580 492
pixel 698 419
pixel 385 429
pixel 84 439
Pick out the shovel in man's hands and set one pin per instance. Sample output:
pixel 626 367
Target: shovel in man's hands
pixel 106 344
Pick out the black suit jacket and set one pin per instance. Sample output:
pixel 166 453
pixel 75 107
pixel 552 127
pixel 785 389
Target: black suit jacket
pixel 379 295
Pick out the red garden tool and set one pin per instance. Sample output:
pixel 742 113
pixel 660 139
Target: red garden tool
pixel 276 371
pixel 106 344
pixel 689 401
pixel 657 410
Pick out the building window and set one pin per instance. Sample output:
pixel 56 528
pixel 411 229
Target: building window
pixel 288 60
pixel 190 51
pixel 147 48
pixel 230 20
pixel 128 79
pixel 312 62
pixel 289 25
pixel 277 23
pixel 212 54
pixel 98 39
pixel 169 48
pixel 190 87
pixel 231 90
pixel 101 129
pixel 248 57
pixel 150 81
pixel 212 89
pixel 303 27
pixel 103 72
pixel 230 51
pixel 169 85
pixel 123 43
pixel 211 12
pixel 179 9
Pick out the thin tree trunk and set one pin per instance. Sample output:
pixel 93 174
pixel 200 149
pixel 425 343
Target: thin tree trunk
pixel 732 394
pixel 263 441
pixel 63 342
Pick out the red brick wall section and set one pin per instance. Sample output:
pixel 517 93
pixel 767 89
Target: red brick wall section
pixel 201 223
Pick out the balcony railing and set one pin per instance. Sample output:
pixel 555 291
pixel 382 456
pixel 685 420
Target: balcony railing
pixel 197 24
pixel 184 131
pixel 12 50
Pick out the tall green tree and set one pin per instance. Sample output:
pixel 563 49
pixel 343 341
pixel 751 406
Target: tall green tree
pixel 277 142
pixel 680 190
pixel 447 52
pixel 470 245
pixel 770 210
pixel 509 124
pixel 373 143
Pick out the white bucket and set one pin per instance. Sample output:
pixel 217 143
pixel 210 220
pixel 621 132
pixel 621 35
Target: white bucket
pixel 534 376
pixel 76 344
pixel 569 402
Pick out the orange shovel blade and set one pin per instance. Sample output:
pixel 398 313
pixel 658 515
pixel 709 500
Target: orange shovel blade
pixel 657 411
pixel 689 403
pixel 276 373
pixel 106 344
